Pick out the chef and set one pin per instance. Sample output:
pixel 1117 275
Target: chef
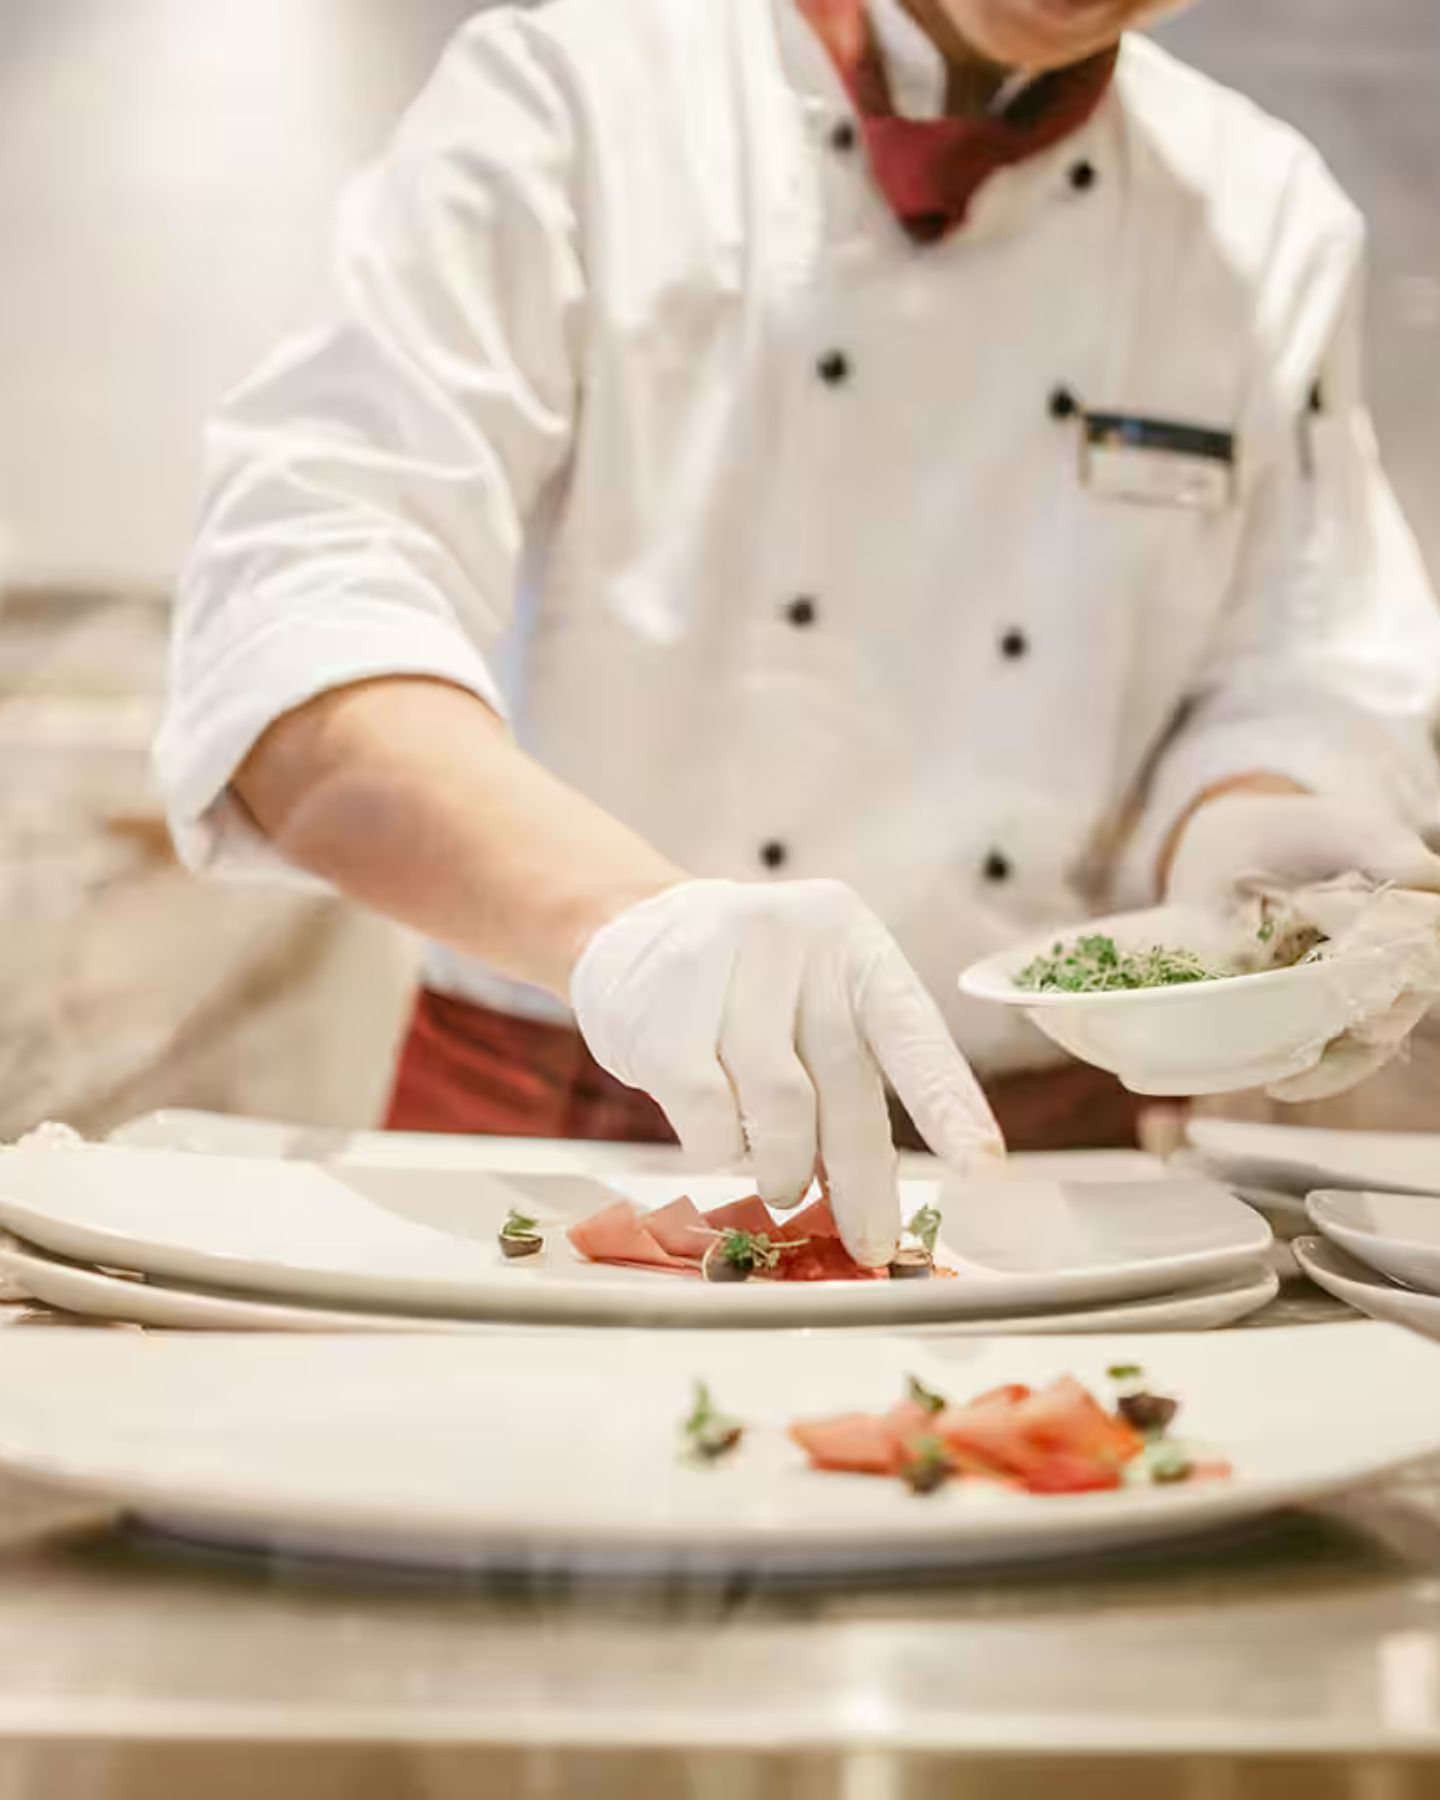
pixel 791 496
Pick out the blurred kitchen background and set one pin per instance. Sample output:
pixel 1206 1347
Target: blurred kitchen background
pixel 167 171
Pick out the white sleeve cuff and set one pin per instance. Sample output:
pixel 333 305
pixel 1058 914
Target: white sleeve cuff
pixel 216 717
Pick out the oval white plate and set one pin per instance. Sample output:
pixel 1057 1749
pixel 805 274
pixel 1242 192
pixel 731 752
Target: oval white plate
pixel 1204 1037
pixel 1398 1234
pixel 94 1293
pixel 425 1240
pixel 1284 1212
pixel 437 1450
pixel 1299 1159
pixel 1366 1289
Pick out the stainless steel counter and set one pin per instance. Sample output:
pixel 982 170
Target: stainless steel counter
pixel 1303 1657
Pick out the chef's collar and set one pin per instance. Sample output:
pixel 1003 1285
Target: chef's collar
pixel 927 166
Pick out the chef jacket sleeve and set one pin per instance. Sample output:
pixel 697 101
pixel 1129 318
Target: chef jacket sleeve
pixel 370 488
pixel 1325 666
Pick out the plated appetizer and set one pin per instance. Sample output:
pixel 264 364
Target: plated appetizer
pixel 742 1241
pixel 1054 1439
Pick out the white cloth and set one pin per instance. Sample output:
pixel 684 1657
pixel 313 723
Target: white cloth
pixel 566 441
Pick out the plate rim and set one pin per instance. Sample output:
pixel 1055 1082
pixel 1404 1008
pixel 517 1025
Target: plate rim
pixel 1314 1172
pixel 660 1302
pixel 1365 1276
pixel 1318 1198
pixel 21 1258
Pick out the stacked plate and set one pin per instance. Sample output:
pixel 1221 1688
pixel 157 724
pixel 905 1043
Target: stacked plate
pixel 435 1447
pixel 1380 1253
pixel 188 1240
pixel 1372 1197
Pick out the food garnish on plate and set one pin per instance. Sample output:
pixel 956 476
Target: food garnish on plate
pixel 707 1434
pixel 1057 1439
pixel 742 1241
pixel 520 1236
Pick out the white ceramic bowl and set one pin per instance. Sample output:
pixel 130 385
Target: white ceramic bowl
pixel 1204 1037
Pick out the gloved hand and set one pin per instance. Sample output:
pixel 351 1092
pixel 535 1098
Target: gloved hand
pixel 1245 842
pixel 762 1019
pixel 1241 841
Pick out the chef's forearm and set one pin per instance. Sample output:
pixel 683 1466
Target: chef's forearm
pixel 409 796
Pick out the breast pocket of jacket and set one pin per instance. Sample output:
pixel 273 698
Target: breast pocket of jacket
pixel 1142 461
pixel 1159 515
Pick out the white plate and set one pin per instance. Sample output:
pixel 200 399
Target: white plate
pixel 1398 1234
pixel 425 1241
pixel 1204 1037
pixel 95 1293
pixel 233 1134
pixel 1285 1212
pixel 1366 1289
pixel 437 1450
pixel 1298 1159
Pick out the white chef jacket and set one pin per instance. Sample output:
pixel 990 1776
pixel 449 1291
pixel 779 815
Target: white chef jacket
pixel 632 372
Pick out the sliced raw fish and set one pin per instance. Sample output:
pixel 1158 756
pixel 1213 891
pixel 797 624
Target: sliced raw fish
pixel 1067 1416
pixel 675 1237
pixel 681 1229
pixel 1009 1395
pixel 618 1234
pixel 673 1267
pixel 813 1221
pixel 1058 1440
pixel 856 1443
pixel 750 1214
pixel 821 1256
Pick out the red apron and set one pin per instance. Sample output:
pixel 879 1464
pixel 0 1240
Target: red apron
pixel 468 1068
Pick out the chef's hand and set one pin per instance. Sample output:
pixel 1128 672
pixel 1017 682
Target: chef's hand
pixel 1239 841
pixel 1247 840
pixel 765 1020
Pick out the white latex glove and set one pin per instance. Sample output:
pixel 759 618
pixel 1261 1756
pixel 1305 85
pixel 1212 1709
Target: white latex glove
pixel 762 1019
pixel 1246 842
pixel 1242 841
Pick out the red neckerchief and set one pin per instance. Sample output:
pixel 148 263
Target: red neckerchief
pixel 929 170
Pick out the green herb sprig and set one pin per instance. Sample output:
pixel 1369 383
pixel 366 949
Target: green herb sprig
pixel 747 1253
pixel 916 1390
pixel 1095 964
pixel 927 1465
pixel 924 1227
pixel 520 1236
pixel 1167 1463
pixel 708 1434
